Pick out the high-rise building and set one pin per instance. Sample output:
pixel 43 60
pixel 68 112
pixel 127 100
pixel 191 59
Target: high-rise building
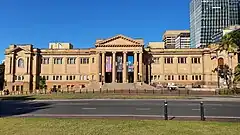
pixel 170 36
pixel 183 40
pixel 209 17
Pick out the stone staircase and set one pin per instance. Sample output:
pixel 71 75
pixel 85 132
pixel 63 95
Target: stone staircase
pixel 127 86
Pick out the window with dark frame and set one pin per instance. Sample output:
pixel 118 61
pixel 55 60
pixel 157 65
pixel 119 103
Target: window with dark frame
pixel 168 60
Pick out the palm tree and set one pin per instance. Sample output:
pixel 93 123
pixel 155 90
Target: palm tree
pixel 231 44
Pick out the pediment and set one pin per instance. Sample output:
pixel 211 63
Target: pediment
pixel 118 40
pixel 18 49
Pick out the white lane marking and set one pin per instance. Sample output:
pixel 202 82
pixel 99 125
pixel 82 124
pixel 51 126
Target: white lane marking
pixel 72 103
pixel 89 108
pixel 195 109
pixel 143 109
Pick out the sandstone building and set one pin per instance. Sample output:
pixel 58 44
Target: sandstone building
pixel 119 59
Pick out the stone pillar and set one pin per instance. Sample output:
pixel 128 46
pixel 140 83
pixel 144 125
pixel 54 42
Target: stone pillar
pixel 135 68
pixel 98 66
pixel 103 66
pixel 124 67
pixel 141 66
pixel 114 67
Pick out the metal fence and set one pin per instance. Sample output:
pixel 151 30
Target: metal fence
pixel 163 92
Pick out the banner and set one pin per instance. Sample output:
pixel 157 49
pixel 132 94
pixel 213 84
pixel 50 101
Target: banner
pixel 130 64
pixel 119 64
pixel 108 63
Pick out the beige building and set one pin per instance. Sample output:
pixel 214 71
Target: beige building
pixel 170 36
pixel 118 59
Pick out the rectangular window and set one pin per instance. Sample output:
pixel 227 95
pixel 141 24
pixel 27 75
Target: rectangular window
pixel 84 60
pixel 196 60
pixel 45 60
pixel 70 78
pixel 193 77
pixel 57 60
pixel 200 77
pixel 168 60
pixel 196 77
pixel 71 61
pixel 93 60
pixel 60 77
pixel 182 60
pixel 66 77
pixel 17 88
pixel 54 78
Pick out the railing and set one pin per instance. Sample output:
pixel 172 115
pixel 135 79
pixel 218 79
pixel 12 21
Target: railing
pixel 163 92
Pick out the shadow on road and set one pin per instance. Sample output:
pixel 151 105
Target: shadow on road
pixel 10 106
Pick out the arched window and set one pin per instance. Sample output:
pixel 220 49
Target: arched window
pixel 21 63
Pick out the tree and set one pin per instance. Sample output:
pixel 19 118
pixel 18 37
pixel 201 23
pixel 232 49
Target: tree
pixel 225 72
pixel 231 44
pixel 42 84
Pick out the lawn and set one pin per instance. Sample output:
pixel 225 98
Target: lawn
pixel 53 126
pixel 89 96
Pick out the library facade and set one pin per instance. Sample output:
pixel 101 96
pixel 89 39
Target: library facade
pixel 119 59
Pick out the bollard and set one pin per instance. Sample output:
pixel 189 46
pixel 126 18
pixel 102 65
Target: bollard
pixel 202 111
pixel 165 110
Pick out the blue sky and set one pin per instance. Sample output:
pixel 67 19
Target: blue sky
pixel 81 22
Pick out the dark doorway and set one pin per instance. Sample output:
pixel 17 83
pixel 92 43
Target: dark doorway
pixel 108 77
pixel 130 77
pixel 119 77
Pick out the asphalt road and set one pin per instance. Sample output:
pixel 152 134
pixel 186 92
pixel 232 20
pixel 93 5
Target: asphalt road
pixel 144 108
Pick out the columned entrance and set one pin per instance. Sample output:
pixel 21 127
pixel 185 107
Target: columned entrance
pixel 120 59
pixel 121 67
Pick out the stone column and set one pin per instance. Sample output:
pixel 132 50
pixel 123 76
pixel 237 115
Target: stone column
pixel 98 66
pixel 114 67
pixel 135 67
pixel 103 66
pixel 124 66
pixel 141 66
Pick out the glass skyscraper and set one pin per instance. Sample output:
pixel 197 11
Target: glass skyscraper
pixel 209 17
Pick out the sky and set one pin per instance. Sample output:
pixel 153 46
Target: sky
pixel 81 22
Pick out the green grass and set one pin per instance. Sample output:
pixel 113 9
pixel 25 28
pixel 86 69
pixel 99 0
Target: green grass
pixel 89 96
pixel 53 126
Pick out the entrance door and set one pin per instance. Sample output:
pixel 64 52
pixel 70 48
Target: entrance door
pixel 108 77
pixel 130 77
pixel 119 77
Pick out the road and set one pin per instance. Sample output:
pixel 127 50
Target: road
pixel 121 108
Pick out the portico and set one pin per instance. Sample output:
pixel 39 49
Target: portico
pixel 121 60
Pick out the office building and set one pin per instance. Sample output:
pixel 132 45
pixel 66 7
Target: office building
pixel 209 17
pixel 183 40
pixel 169 37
